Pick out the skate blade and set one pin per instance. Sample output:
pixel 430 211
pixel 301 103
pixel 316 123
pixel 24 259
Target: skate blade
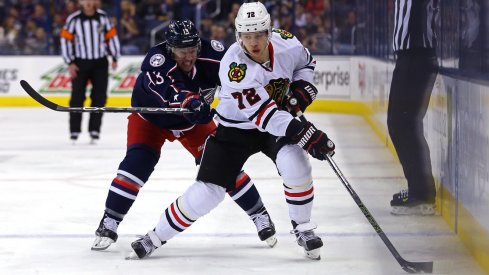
pixel 272 241
pixel 101 243
pixel 314 254
pixel 132 256
pixel 422 210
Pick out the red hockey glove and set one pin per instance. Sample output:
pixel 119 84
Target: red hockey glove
pixel 201 111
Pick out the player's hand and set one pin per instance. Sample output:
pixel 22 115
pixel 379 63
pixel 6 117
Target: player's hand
pixel 73 70
pixel 114 65
pixel 302 93
pixel 201 111
pixel 314 141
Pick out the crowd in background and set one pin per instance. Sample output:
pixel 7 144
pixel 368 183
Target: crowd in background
pixel 32 27
pixel 363 27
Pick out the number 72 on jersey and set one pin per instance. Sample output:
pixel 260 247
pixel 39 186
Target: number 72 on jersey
pixel 248 96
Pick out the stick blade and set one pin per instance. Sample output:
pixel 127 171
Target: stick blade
pixel 418 267
pixel 36 96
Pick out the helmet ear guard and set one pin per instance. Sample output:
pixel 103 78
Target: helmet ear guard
pixel 182 34
pixel 252 17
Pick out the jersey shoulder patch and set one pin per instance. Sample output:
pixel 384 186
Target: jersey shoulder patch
pixel 218 46
pixel 157 59
pixel 283 33
pixel 237 71
pixel 212 49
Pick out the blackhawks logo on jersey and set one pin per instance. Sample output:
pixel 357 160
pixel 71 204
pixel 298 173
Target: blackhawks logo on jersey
pixel 277 89
pixel 237 72
pixel 283 33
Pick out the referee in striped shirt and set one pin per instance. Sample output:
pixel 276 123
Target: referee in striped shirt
pixel 86 40
pixel 412 83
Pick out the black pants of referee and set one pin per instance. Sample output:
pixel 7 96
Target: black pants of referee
pixel 97 71
pixel 412 84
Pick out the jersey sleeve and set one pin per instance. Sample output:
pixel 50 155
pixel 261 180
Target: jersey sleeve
pixel 67 39
pixel 305 63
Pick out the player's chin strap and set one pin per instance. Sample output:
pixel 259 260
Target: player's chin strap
pixel 410 267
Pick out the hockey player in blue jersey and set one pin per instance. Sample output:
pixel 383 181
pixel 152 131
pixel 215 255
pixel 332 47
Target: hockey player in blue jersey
pixel 180 72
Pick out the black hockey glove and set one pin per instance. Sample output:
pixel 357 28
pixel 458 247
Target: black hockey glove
pixel 304 93
pixel 201 111
pixel 314 141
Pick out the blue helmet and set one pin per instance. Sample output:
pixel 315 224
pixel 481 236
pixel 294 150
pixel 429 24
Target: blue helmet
pixel 182 34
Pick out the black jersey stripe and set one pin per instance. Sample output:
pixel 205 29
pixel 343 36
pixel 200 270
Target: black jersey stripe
pixel 269 116
pixel 171 223
pixel 264 105
pixel 302 202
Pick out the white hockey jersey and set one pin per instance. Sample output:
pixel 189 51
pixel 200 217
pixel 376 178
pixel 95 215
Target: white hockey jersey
pixel 245 98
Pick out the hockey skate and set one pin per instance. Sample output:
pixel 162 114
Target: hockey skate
pixel 307 239
pixel 402 204
pixel 265 228
pixel 144 246
pixel 106 234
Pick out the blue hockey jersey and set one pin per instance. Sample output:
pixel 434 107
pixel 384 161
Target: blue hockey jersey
pixel 162 84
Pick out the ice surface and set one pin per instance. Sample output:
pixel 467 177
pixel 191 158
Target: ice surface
pixel 53 195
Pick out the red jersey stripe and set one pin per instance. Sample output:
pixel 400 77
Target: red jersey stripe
pixel 178 218
pixel 131 186
pixel 260 115
pixel 301 194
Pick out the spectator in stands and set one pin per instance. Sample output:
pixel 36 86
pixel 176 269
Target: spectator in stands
pixel 188 8
pixel 219 33
pixel 40 17
pixel 322 39
pixel 70 7
pixel 27 32
pixel 130 33
pixel 26 8
pixel 300 16
pixel 151 10
pixel 347 25
pixel 56 27
pixel 317 7
pixel 36 44
pixel 205 26
pixel 9 32
pixel 232 15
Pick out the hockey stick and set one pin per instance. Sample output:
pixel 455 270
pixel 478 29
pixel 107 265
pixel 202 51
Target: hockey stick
pixel 53 106
pixel 410 267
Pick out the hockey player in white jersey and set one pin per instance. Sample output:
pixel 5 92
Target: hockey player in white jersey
pixel 259 74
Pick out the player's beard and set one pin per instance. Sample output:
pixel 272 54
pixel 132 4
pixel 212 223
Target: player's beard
pixel 186 65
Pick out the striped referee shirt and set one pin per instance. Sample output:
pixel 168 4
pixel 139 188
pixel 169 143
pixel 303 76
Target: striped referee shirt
pixel 414 25
pixel 89 37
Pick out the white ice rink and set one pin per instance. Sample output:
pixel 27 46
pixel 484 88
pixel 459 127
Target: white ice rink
pixel 53 195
